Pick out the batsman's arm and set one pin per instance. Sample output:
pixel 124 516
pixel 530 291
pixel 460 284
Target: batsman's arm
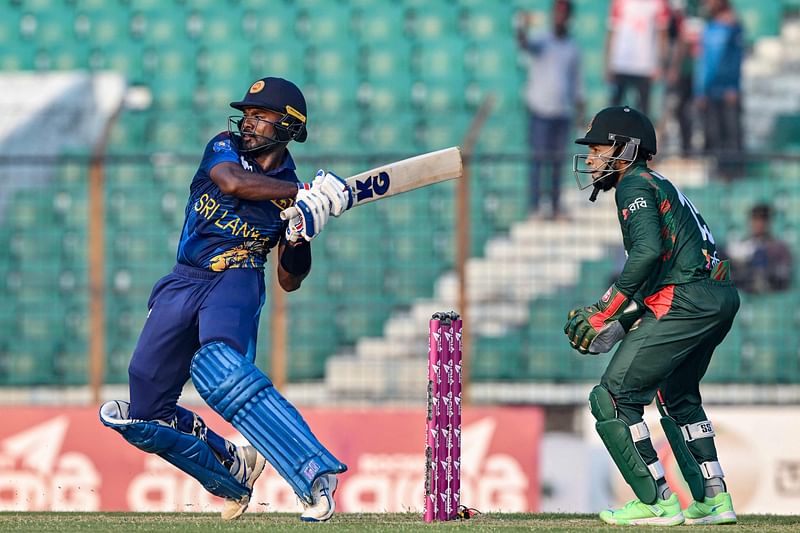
pixel 232 179
pixel 294 263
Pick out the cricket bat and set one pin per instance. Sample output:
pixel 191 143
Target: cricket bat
pixel 400 176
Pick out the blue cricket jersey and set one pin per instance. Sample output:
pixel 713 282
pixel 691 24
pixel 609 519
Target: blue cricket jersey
pixel 222 231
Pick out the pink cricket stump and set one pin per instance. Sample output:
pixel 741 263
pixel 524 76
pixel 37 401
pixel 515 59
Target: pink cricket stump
pixel 445 441
pixel 455 483
pixel 443 431
pixel 431 457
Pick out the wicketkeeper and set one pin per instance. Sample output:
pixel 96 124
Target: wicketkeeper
pixel 203 317
pixel 672 305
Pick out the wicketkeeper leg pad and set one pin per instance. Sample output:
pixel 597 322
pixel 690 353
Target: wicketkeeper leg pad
pixel 618 438
pixel 184 450
pixel 694 473
pixel 237 390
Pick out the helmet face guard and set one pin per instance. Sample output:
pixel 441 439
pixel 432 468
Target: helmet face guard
pixel 285 129
pixel 602 177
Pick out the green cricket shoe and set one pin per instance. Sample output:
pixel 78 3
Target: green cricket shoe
pixel 716 510
pixel 635 513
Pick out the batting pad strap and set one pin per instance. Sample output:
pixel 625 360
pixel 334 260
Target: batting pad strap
pixel 698 430
pixel 711 469
pixel 185 451
pixel 639 431
pixel 237 390
pixel 656 470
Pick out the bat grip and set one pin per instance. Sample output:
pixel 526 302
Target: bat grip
pixel 289 212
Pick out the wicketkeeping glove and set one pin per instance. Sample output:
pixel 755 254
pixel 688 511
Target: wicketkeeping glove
pixel 336 189
pixel 597 328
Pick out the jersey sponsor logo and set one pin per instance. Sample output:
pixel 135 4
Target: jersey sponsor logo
pixel 245 164
pixel 624 214
pixel 712 260
pixel 372 186
pixel 639 203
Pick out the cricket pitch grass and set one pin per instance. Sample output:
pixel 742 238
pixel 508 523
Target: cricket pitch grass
pixel 350 522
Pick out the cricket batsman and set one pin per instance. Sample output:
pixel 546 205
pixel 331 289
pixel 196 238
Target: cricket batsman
pixel 672 305
pixel 203 317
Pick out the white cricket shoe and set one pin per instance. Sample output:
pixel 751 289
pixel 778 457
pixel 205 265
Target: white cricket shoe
pixel 323 504
pixel 248 466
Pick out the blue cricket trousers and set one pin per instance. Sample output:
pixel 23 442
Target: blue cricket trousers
pixel 188 308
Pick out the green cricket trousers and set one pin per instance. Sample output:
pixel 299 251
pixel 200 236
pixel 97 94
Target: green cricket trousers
pixel 669 353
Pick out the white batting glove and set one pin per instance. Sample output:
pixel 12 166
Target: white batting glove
pixel 336 189
pixel 313 208
pixel 294 230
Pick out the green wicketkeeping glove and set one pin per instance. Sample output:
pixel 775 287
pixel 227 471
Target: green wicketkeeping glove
pixel 597 328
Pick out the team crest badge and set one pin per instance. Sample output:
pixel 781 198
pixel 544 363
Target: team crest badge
pixel 257 87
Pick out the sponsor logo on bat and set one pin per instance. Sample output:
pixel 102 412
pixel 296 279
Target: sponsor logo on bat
pixel 372 186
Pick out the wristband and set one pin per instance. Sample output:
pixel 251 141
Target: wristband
pixel 296 258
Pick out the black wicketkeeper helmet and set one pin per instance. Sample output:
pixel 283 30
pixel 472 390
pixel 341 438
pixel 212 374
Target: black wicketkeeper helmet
pixel 615 126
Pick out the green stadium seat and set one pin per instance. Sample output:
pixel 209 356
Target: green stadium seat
pixel 503 134
pixel 225 72
pixel 440 59
pixel 48 27
pixel 337 95
pixel 128 58
pixel 103 25
pixel 28 363
pixel 284 61
pixel 760 19
pixel 498 358
pixel 269 25
pixel 386 60
pixel 386 94
pixel 10 15
pixel 129 133
pixel 485 21
pixel 71 364
pixel 361 317
pixel 148 23
pixel 334 134
pixel 212 22
pixel 439 131
pixel 391 133
pixel 324 23
pixel 433 21
pixel 380 23
pixel 786 134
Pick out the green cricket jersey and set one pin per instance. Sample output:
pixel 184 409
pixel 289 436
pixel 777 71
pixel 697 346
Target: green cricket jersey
pixel 665 237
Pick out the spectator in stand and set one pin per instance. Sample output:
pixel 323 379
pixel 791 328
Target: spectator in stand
pixel 718 86
pixel 761 262
pixel 684 43
pixel 554 96
pixel 636 49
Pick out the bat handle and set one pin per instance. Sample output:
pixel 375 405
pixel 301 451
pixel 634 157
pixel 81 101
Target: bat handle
pixel 289 212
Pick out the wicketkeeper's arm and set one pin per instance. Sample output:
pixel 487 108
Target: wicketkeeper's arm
pixel 644 247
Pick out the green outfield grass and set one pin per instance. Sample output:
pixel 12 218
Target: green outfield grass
pixel 201 523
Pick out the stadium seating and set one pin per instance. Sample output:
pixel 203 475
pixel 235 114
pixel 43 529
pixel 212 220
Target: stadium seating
pixel 382 78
